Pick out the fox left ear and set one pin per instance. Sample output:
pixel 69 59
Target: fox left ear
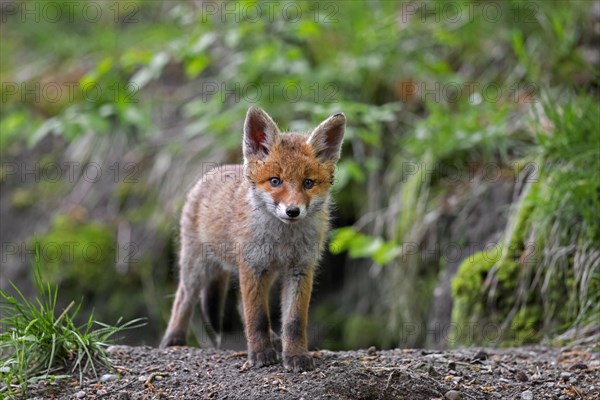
pixel 260 134
pixel 327 138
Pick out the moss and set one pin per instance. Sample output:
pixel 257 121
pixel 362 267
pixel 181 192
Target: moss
pixel 525 326
pixel 478 313
pixel 468 296
pixel 23 198
pixel 78 251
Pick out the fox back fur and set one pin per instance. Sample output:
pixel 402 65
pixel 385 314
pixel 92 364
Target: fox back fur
pixel 256 222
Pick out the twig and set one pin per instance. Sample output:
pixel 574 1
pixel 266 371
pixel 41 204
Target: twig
pixel 154 375
pixel 387 385
pixel 66 310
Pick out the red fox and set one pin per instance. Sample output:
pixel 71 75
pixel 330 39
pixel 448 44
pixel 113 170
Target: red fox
pixel 256 222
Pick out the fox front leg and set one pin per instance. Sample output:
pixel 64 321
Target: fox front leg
pixel 296 290
pixel 255 289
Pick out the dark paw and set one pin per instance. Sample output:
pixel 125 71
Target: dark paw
pixel 174 339
pixel 262 358
pixel 299 363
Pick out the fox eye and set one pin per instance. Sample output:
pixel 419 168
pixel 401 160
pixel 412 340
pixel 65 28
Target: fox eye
pixel 308 184
pixel 274 181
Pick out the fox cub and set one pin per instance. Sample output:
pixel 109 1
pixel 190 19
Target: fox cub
pixel 257 222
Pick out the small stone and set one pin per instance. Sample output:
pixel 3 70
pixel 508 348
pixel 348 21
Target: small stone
pixel 578 366
pixel 565 375
pixel 456 379
pixel 453 395
pixel 527 395
pixel 371 350
pixel 123 396
pixel 452 365
pixel 142 378
pixel 108 378
pixel 521 376
pixel 480 356
pixel 80 394
pixel 432 371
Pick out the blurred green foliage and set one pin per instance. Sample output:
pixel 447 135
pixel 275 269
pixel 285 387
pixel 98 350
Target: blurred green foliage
pixel 510 83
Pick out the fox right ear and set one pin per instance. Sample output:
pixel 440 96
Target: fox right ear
pixel 260 133
pixel 327 138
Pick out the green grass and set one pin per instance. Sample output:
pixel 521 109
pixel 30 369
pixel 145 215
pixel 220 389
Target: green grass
pixel 36 344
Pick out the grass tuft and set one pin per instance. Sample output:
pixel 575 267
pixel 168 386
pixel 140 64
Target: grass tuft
pixel 35 344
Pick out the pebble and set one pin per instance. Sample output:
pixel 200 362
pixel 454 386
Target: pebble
pixel 372 350
pixel 123 396
pixel 432 371
pixel 453 395
pixel 108 378
pixel 521 376
pixel 80 394
pixel 565 375
pixel 527 395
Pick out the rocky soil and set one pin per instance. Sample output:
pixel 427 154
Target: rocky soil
pixel 190 373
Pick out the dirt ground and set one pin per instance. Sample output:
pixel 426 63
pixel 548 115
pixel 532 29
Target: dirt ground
pixel 190 373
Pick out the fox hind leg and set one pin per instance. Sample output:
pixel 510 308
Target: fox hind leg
pixel 185 300
pixel 212 305
pixel 186 297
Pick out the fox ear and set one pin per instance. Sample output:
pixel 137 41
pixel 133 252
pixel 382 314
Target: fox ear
pixel 260 133
pixel 327 138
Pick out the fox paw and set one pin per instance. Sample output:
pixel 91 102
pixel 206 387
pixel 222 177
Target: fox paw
pixel 174 339
pixel 262 358
pixel 299 363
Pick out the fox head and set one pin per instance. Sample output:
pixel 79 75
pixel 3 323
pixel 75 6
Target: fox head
pixel 291 173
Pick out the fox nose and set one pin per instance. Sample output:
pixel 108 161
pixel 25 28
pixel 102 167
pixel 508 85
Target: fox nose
pixel 292 211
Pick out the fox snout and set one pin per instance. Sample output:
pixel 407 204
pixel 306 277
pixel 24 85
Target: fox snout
pixel 291 212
